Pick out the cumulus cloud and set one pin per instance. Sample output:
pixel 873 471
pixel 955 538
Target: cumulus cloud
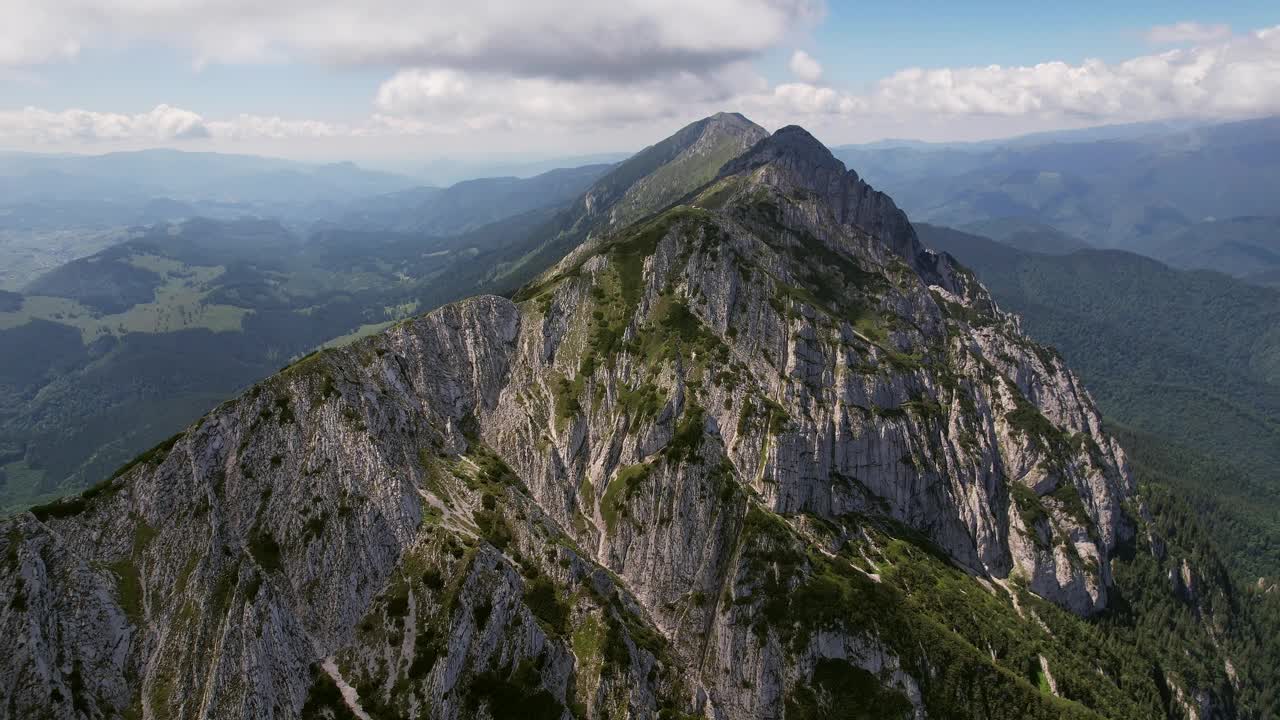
pixel 1187 32
pixel 1237 76
pixel 442 97
pixel 805 67
pixel 260 127
pixel 162 124
pixel 1233 77
pixel 551 38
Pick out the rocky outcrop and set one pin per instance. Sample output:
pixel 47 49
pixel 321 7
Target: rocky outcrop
pixel 887 396
pixel 664 482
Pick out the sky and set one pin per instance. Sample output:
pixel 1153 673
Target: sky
pixel 392 83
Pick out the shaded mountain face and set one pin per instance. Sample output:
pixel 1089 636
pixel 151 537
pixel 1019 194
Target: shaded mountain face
pixel 759 454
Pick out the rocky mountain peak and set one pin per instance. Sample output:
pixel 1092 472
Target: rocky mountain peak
pixel 705 465
pixel 661 173
pixel 793 147
pixel 797 159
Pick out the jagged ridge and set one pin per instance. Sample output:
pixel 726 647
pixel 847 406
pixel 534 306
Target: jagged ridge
pixel 725 462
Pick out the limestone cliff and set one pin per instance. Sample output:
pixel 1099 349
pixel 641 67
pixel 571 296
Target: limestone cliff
pixel 725 462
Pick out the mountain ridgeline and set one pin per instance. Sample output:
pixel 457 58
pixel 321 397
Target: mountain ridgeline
pixel 746 450
pixel 107 355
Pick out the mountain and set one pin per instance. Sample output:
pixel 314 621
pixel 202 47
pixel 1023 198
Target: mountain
pixel 469 204
pixel 1244 247
pixel 49 192
pixel 449 170
pixel 58 208
pixel 193 174
pixel 1027 235
pixel 755 454
pixel 644 183
pixel 109 354
pixel 1187 359
pixel 1131 192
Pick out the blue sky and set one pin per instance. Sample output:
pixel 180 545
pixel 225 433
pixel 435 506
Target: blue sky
pixel 401 80
pixel 867 41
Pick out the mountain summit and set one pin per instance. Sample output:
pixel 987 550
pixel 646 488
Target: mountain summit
pixel 746 451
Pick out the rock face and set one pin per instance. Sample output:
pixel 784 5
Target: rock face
pixel 667 481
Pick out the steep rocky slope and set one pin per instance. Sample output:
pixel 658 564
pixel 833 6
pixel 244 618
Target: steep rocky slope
pixel 757 455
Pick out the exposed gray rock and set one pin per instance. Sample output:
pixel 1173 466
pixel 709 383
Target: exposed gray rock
pixel 594 502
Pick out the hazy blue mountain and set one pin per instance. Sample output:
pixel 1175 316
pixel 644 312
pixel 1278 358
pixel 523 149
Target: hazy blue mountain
pixel 450 171
pixel 1132 190
pixel 1245 247
pixel 1121 131
pixel 41 192
pixel 1027 235
pixel 54 209
pixel 468 204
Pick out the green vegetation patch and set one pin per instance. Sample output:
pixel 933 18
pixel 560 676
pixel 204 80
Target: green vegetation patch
pixel 1030 509
pixel 1072 504
pixel 324 699
pixel 687 439
pixel 544 601
pixel 970 651
pixel 625 484
pixel 264 548
pixel 494 527
pixel 840 690
pixel 518 694
pixel 129 589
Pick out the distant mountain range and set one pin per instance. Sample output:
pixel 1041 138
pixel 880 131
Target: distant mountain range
pixel 737 445
pixel 40 192
pixel 464 206
pixel 1195 195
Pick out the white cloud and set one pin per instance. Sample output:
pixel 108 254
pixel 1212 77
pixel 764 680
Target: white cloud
pixel 1187 32
pixel 805 67
pixel 441 98
pixel 1233 77
pixel 162 124
pixel 259 127
pixel 451 107
pixel 552 38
